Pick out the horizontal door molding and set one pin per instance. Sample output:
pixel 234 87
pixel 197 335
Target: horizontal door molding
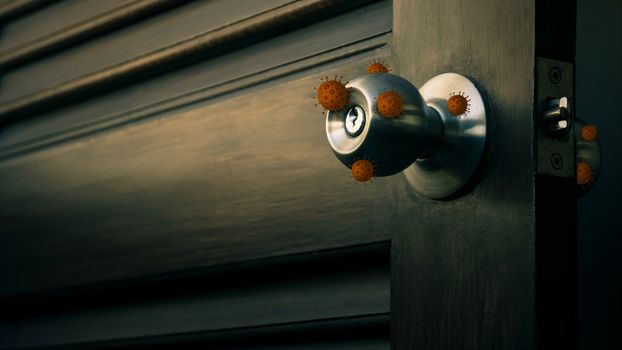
pixel 10 10
pixel 337 295
pixel 181 53
pixel 359 32
pixel 82 31
pixel 241 177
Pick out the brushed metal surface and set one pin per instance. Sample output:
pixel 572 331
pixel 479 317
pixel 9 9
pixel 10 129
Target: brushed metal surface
pixel 391 144
pixel 455 161
pixel 438 152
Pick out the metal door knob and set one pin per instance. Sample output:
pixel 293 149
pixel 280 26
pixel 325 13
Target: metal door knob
pixel 558 120
pixel 436 135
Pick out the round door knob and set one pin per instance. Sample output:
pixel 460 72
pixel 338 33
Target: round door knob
pixel 435 135
pixel 408 130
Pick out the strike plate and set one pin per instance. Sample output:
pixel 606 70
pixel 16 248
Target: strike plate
pixel 556 156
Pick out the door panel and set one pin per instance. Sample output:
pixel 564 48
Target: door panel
pixel 248 240
pixel 464 271
pixel 149 35
pixel 52 18
pixel 244 177
pixel 337 294
pixel 352 33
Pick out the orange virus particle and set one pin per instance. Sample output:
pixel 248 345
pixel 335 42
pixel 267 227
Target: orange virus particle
pixel 332 94
pixel 378 67
pixel 589 133
pixel 584 174
pixel 458 104
pixel 362 170
pixel 390 104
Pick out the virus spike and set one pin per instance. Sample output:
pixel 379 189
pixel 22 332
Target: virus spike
pixel 363 170
pixel 458 104
pixel 332 94
pixel 589 133
pixel 390 104
pixel 378 66
pixel 585 175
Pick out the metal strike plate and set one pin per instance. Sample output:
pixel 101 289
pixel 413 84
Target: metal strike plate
pixel 555 136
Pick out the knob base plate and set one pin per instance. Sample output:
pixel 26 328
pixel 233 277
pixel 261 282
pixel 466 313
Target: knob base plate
pixel 451 168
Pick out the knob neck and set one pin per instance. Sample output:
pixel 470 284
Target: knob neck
pixel 434 134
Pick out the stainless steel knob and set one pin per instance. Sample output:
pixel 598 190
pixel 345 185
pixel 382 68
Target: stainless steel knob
pixel 359 131
pixel 435 135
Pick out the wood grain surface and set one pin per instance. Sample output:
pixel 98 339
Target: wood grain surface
pixel 340 296
pixel 464 273
pixel 118 46
pixel 295 51
pixel 233 179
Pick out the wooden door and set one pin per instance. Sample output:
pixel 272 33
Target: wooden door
pixel 165 181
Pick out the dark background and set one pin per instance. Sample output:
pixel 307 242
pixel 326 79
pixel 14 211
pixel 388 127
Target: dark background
pixel 599 101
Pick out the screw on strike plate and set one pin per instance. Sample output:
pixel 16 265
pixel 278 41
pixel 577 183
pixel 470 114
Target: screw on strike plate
pixel 557 161
pixel 555 75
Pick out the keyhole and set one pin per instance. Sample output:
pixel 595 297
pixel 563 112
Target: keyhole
pixel 355 120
